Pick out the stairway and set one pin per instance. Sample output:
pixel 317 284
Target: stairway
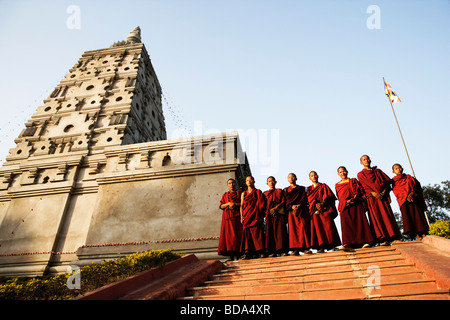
pixel 371 273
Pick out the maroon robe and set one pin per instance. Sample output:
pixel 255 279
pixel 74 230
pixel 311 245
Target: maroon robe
pixel 324 234
pixel 299 227
pixel 276 233
pixel 253 210
pixel 413 213
pixel 354 225
pixel 380 212
pixel 231 228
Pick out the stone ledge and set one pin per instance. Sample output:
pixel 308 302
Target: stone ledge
pixel 24 265
pixel 430 256
pixel 439 243
pixel 208 246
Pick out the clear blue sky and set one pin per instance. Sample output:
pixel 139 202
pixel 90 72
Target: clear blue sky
pixel 310 69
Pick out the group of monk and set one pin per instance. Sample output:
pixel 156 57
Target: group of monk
pixel 298 219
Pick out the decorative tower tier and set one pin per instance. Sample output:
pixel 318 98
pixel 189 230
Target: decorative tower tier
pixel 110 97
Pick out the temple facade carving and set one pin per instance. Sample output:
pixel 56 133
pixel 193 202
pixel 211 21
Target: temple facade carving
pixel 93 174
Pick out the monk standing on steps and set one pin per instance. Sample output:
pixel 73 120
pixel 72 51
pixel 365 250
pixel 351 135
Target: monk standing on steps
pixel 253 205
pixel 355 228
pixel 299 227
pixel 377 187
pixel 412 205
pixel 231 228
pixel 277 241
pixel 321 200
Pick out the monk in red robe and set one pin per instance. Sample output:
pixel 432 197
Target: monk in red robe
pixel 253 205
pixel 231 228
pixel 355 228
pixel 299 227
pixel 376 184
pixel 321 200
pixel 277 241
pixel 412 205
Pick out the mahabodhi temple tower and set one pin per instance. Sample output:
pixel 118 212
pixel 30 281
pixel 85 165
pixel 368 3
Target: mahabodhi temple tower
pixel 92 175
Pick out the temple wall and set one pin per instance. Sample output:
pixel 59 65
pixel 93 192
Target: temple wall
pixel 31 223
pixel 158 209
pixel 150 193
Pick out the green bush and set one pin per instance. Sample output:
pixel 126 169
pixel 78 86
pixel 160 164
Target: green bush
pixel 92 277
pixel 440 228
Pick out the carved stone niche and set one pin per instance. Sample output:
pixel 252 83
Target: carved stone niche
pixel 29 131
pixel 5 180
pixel 183 154
pixel 81 143
pixel 145 160
pixel 122 163
pixel 167 160
pixel 61 173
pixel 42 147
pixel 23 150
pixel 29 176
pixel 215 152
pixel 94 168
pixel 70 105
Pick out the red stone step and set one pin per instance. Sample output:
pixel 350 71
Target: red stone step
pixel 394 286
pixel 274 270
pixel 168 287
pixel 405 290
pixel 373 273
pixel 402 270
pixel 310 283
pixel 278 272
pixel 437 294
pixel 317 257
pixel 302 261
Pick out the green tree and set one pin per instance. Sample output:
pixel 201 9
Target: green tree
pixel 399 220
pixel 437 198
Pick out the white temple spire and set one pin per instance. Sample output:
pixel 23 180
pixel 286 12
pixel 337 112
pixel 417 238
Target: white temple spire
pixel 134 36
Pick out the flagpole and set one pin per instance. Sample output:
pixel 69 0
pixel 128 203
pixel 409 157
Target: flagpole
pixel 404 145
pixel 400 131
